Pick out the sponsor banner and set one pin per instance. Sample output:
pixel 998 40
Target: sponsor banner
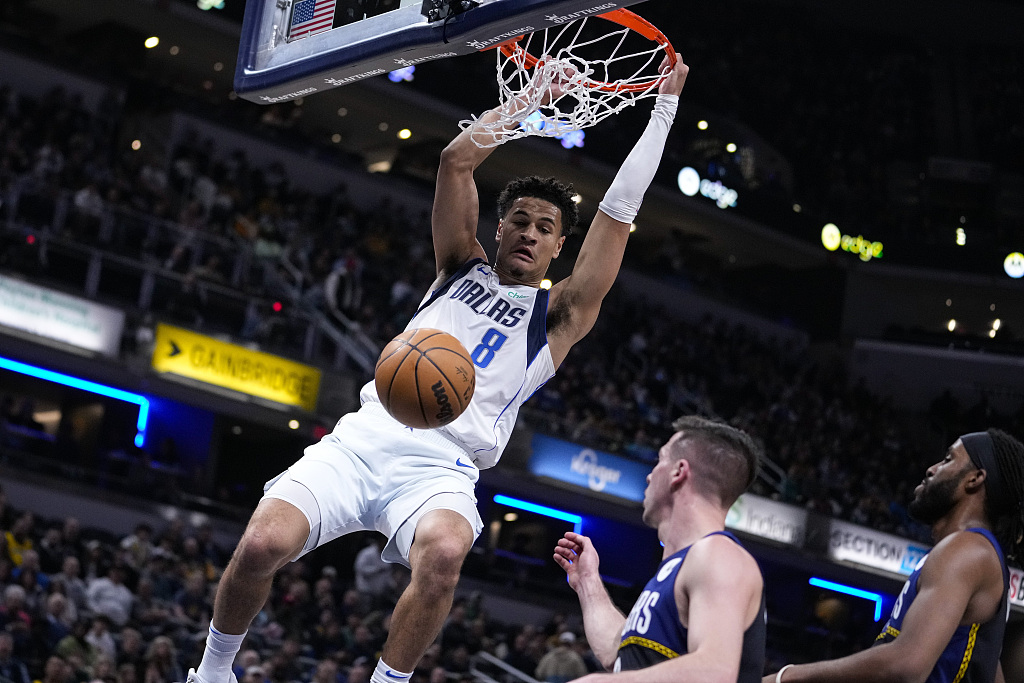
pixel 68 319
pixel 768 519
pixel 1016 587
pixel 589 469
pixel 227 365
pixel 859 545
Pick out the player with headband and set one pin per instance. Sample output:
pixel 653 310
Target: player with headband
pixel 417 486
pixel 948 623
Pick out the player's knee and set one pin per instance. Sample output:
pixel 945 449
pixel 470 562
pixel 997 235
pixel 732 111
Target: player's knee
pixel 270 541
pixel 437 557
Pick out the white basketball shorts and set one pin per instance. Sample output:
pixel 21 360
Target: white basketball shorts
pixel 372 472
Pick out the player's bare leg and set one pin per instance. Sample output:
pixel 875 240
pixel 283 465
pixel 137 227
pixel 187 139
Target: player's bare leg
pixel 275 534
pixel 443 539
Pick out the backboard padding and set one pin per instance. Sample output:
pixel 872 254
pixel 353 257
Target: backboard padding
pixel 272 69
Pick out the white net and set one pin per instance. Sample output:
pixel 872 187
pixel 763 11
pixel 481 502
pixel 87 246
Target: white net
pixel 586 74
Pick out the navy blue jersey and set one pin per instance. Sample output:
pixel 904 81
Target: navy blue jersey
pixel 653 632
pixel 973 652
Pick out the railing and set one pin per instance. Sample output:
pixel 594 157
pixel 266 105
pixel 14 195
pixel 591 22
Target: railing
pixel 133 260
pixel 510 672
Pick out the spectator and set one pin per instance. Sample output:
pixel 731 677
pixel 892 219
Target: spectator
pixel 246 660
pixel 75 646
pixel 131 652
pixel 562 663
pixel 13 615
pixel 58 620
pixel 109 596
pixel 254 674
pixel 360 670
pixel 520 654
pixel 11 668
pixel 104 669
pixel 327 672
pixel 71 537
pixel 100 638
pixel 19 538
pixel 50 551
pixel 138 545
pixel 56 670
pixel 373 575
pixel 191 607
pixel 73 585
pixel 208 547
pixel 162 662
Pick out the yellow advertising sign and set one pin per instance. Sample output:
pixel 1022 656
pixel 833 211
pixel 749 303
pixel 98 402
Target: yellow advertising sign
pixel 202 358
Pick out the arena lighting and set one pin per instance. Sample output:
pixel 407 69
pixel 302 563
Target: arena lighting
pixel 951 325
pixel 850 590
pixel 545 284
pixel 152 42
pixel 1013 265
pixel 702 125
pixel 540 510
pixel 86 385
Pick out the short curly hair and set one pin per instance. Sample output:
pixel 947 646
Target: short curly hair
pixel 548 189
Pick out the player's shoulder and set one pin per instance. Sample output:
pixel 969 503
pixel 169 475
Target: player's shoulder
pixel 963 541
pixel 718 553
pixel 961 555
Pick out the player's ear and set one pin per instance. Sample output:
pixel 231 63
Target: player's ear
pixel 680 472
pixel 975 480
pixel 497 235
pixel 558 246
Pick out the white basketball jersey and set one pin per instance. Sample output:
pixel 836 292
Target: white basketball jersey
pixel 504 328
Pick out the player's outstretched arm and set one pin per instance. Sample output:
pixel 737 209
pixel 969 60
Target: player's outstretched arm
pixel 456 210
pixel 602 620
pixel 721 586
pixel 959 569
pixel 576 301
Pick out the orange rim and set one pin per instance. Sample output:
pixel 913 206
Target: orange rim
pixel 623 17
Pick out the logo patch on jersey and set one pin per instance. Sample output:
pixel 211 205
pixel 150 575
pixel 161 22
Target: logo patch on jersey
pixel 664 572
pixel 490 304
pixel 515 295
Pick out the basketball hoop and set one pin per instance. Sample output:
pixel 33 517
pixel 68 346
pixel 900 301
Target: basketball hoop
pixel 587 71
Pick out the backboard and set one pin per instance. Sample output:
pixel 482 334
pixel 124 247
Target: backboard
pixel 275 66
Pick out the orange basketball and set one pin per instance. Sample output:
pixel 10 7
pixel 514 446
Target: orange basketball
pixel 425 378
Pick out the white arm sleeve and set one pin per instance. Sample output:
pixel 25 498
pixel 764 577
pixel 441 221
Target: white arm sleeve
pixel 625 195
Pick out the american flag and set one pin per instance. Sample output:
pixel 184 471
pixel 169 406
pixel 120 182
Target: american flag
pixel 311 16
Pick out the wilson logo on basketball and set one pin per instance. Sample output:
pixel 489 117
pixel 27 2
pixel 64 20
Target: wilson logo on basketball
pixel 444 405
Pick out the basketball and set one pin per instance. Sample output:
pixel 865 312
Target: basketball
pixel 425 378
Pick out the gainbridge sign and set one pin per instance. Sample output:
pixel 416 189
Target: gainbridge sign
pixel 196 356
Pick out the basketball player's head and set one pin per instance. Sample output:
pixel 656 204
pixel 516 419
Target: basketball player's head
pixel 986 467
pixel 534 217
pixel 722 462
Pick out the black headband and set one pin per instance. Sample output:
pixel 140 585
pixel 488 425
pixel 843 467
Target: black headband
pixel 982 453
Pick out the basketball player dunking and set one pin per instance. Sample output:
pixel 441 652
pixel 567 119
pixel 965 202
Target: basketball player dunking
pixel 702 617
pixel 947 624
pixel 416 486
